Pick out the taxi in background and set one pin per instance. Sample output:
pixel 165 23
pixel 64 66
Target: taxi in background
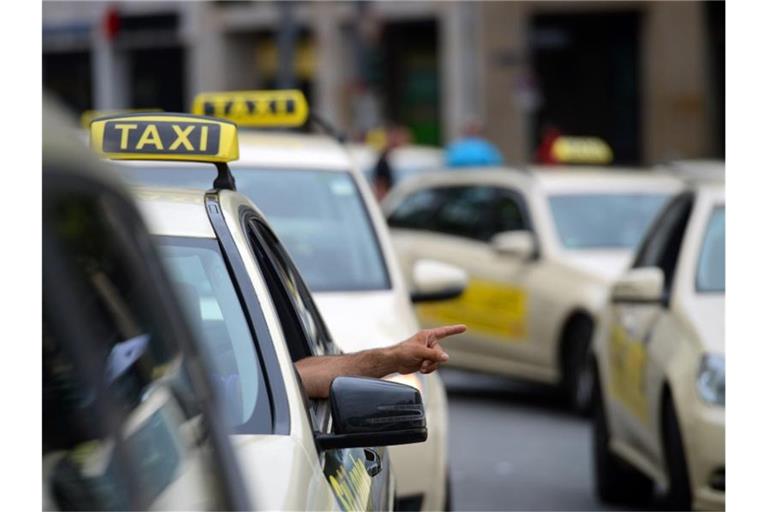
pixel 129 417
pixel 257 318
pixel 540 248
pixel 406 161
pixel 660 360
pixel 327 219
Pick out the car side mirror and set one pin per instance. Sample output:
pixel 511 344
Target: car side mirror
pixel 434 280
pixel 519 244
pixel 373 412
pixel 645 284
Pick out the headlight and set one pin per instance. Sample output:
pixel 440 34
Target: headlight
pixel 711 379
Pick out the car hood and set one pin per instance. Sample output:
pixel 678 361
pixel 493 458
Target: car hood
pixel 706 314
pixel 605 264
pixel 364 320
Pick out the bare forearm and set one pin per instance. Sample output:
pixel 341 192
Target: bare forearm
pixel 421 352
pixel 318 372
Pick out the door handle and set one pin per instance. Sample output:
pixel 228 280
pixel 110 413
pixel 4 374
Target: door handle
pixel 372 462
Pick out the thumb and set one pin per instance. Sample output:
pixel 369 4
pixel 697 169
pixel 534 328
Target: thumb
pixel 431 354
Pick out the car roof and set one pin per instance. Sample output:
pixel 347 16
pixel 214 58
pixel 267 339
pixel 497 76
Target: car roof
pixel 291 150
pixel 551 180
pixel 409 155
pixel 560 179
pixel 695 172
pixel 711 191
pixel 276 150
pixel 174 211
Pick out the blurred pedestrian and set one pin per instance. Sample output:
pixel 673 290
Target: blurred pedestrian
pixel 472 149
pixel 383 179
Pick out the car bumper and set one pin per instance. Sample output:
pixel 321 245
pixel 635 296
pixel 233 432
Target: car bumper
pixel 705 452
pixel 421 469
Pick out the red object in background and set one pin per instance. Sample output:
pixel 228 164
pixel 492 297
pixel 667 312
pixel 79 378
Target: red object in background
pixel 544 151
pixel 111 24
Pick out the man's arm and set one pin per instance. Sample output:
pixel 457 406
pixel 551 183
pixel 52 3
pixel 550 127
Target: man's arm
pixel 420 352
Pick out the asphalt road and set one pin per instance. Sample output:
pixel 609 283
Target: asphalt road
pixel 513 446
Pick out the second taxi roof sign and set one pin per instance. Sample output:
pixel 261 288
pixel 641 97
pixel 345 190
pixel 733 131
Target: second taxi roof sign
pixel 266 109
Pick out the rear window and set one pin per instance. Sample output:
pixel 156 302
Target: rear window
pixel 604 221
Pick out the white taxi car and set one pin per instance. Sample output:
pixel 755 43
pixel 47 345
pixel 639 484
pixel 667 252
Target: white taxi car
pixel 660 356
pixel 406 161
pixel 125 396
pixel 540 248
pixel 257 318
pixel 325 214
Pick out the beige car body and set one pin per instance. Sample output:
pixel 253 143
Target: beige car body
pixel 281 472
pixel 517 310
pixel 666 345
pixel 361 320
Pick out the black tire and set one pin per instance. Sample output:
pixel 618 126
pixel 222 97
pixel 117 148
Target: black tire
pixel 448 500
pixel 615 480
pixel 678 496
pixel 577 382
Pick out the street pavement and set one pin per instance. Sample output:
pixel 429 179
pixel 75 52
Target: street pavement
pixel 515 446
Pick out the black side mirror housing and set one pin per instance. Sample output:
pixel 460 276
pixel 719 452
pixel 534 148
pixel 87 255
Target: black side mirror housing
pixel 373 412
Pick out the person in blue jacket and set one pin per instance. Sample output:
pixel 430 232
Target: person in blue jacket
pixel 472 150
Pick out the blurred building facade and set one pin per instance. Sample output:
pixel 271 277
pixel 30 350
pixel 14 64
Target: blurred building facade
pixel 646 76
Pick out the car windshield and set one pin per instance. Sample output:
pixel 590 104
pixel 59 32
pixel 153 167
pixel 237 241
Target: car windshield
pixel 206 291
pixel 710 274
pixel 319 216
pixel 605 220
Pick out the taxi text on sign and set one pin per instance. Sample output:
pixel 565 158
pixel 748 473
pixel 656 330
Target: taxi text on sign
pixel 165 137
pixel 279 108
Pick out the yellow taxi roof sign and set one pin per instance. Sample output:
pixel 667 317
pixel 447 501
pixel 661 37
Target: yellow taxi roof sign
pixel 89 115
pixel 165 136
pixel 265 109
pixel 581 150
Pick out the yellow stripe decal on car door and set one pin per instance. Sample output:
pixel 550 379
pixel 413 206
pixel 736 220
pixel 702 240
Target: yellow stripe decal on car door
pixel 628 359
pixel 485 307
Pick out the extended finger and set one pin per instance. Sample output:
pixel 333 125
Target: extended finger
pixel 439 333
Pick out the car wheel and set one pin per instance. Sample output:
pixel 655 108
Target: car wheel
pixel 678 496
pixel 577 376
pixel 615 480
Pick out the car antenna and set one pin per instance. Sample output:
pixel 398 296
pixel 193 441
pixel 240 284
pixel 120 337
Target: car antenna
pixel 328 128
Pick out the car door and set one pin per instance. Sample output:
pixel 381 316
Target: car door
pixel 126 419
pixel 633 373
pixel 455 224
pixel 359 477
